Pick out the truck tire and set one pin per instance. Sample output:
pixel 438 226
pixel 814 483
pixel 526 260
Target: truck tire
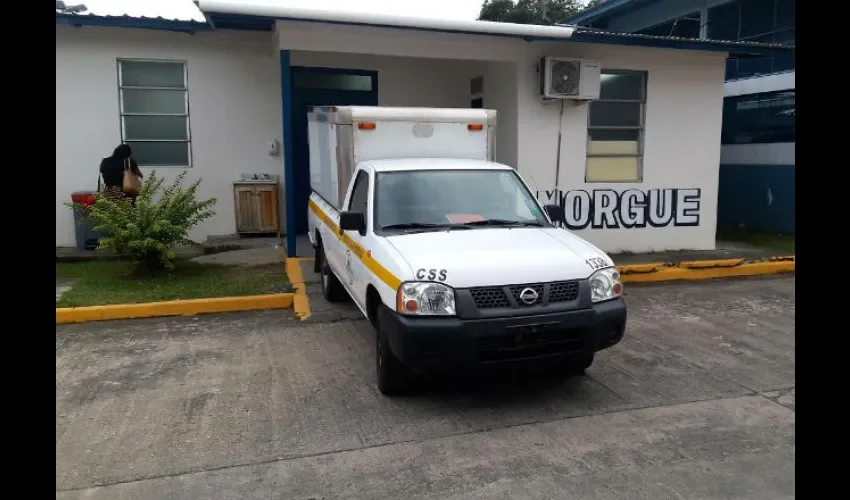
pixel 332 289
pixel 393 376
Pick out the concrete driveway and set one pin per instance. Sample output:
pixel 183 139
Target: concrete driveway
pixel 697 402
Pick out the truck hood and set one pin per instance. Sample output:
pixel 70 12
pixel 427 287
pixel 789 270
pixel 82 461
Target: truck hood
pixel 498 256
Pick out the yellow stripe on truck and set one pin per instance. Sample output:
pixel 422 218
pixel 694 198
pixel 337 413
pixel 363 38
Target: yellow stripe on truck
pixel 361 253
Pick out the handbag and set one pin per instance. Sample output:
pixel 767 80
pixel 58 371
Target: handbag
pixel 132 183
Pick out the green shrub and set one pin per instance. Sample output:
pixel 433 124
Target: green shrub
pixel 161 219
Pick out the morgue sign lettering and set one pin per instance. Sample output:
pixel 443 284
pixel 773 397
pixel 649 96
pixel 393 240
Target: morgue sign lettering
pixel 631 208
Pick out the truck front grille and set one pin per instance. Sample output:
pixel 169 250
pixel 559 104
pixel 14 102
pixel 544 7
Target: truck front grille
pixel 489 298
pixel 494 297
pixel 565 291
pixel 517 289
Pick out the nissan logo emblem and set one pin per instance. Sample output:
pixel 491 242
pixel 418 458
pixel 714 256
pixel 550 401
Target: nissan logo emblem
pixel 528 296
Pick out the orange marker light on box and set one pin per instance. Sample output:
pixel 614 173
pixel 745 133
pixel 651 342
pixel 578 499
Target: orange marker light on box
pixel 475 127
pixel 366 125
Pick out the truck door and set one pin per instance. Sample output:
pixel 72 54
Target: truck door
pixel 355 272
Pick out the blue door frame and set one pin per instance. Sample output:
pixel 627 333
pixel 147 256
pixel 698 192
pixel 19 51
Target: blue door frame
pixel 296 165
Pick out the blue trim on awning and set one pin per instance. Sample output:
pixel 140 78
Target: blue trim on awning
pixel 132 22
pixel 288 147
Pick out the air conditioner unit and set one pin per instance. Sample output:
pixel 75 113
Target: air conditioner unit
pixel 573 79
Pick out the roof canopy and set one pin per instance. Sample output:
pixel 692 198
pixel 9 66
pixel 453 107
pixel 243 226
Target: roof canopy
pixel 281 10
pixel 185 15
pixel 179 15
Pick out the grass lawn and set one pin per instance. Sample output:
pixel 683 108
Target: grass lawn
pixel 779 242
pixel 110 282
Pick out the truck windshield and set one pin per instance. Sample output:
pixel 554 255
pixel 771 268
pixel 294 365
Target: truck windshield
pixel 435 199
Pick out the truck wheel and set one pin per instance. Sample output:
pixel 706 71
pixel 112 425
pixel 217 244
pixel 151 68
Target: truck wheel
pixel 332 289
pixel 579 364
pixel 393 375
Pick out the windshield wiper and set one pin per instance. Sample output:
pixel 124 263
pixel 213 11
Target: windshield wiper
pixel 425 225
pixel 504 222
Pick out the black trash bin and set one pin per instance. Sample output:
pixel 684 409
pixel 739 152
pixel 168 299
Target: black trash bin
pixel 86 237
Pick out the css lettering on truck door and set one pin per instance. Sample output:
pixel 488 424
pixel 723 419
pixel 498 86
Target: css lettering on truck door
pixel 627 209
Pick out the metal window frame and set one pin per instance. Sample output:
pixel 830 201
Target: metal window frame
pixel 758 98
pixel 640 128
pixel 187 114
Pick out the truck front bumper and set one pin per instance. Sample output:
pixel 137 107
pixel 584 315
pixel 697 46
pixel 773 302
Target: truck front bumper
pixel 423 341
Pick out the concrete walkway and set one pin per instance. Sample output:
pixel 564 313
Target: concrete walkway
pixel 245 257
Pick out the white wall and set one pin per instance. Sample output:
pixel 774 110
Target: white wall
pixel 320 37
pixel 681 145
pixel 234 99
pixel 403 81
pixel 500 93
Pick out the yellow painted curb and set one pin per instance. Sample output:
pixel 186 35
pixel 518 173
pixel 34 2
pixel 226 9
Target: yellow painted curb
pixel 639 268
pixel 301 303
pixel 704 264
pixel 703 270
pixel 783 257
pixel 173 308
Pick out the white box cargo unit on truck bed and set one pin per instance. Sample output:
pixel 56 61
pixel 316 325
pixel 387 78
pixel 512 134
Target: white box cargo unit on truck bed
pixel 342 137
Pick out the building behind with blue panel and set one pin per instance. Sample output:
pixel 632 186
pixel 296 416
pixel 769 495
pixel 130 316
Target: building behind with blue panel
pixel 756 185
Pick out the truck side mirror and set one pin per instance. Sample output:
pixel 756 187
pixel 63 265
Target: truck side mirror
pixel 352 221
pixel 555 212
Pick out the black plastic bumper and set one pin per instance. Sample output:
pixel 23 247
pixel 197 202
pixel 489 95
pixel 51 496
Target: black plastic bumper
pixel 418 341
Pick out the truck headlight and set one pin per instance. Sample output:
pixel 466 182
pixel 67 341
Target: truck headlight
pixel 605 284
pixel 425 299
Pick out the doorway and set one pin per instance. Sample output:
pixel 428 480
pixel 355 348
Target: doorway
pixel 321 87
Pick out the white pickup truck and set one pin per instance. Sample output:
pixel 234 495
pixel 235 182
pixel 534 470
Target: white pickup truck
pixel 448 254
